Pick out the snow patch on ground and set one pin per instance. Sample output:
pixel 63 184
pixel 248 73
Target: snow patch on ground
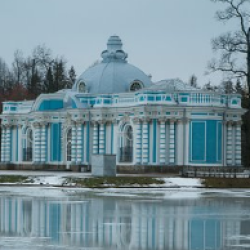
pixel 183 182
pixel 53 178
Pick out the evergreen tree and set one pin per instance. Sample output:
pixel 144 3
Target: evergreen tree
pixel 238 87
pixel 59 74
pixel 72 74
pixel 49 81
pixel 193 81
pixel 208 86
pixel 228 87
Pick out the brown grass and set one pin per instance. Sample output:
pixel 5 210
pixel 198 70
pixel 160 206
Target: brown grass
pixel 102 182
pixel 227 183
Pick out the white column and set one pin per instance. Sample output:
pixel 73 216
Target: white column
pixel 79 143
pixel 229 143
pixel 43 142
pixel 145 141
pixel 171 142
pixel 37 145
pixel 95 138
pixel 162 141
pixel 238 144
pixel 73 143
pixel 102 141
pixel 20 143
pixel 115 137
pixel 3 143
pixel 138 141
pixel 179 141
pixel 8 143
pixel 186 138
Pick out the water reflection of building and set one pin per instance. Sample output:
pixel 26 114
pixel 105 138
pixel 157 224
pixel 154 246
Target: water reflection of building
pixel 119 224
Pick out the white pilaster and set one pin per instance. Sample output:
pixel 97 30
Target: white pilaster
pixel 145 141
pixel 115 137
pixel 138 141
pixel 179 141
pixel 238 144
pixel 186 123
pixel 172 142
pixel 87 143
pixel 20 145
pixel 229 143
pixel 3 135
pixel 95 138
pixel 79 142
pixel 8 143
pixel 43 142
pixel 162 141
pixel 37 144
pixel 73 143
pixel 102 141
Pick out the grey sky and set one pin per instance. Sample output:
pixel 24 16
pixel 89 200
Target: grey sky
pixel 165 38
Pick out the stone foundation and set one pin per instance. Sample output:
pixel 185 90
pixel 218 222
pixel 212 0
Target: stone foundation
pixel 85 168
pixel 138 169
pixel 32 167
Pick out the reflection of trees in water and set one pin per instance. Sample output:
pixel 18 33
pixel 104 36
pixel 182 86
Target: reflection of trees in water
pixel 127 224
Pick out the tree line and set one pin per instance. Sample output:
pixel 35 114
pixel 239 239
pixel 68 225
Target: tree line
pixel 30 76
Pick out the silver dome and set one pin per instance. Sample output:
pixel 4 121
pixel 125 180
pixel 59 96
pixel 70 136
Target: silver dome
pixel 113 74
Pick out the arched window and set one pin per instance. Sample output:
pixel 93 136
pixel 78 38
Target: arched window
pixel 28 145
pixel 136 85
pixel 69 142
pixel 81 87
pixel 126 146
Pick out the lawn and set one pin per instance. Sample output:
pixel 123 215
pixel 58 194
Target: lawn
pixel 14 179
pixel 226 183
pixel 102 182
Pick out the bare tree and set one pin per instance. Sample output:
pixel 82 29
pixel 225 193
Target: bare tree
pixel 233 46
pixel 18 66
pixel 4 76
pixel 43 56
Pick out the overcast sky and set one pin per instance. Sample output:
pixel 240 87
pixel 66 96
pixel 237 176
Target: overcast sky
pixel 164 38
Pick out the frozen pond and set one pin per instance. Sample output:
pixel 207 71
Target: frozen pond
pixel 47 218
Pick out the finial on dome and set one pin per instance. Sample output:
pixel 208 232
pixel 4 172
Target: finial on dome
pixel 114 43
pixel 114 50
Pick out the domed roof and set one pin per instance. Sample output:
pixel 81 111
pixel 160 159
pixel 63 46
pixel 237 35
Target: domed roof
pixel 113 74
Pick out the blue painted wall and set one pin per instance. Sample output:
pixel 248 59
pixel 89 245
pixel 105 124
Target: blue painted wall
pixel 55 142
pixel 88 142
pixel 112 137
pixel 83 143
pixel 198 140
pixel 17 144
pixel 11 143
pixel 50 105
pixel 46 144
pixel 205 141
pixel 219 144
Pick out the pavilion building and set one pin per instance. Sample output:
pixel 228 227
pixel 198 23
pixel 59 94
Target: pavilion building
pixel 115 108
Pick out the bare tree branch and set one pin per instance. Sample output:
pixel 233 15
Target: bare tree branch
pixel 233 48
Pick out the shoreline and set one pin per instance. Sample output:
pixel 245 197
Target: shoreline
pixel 55 179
